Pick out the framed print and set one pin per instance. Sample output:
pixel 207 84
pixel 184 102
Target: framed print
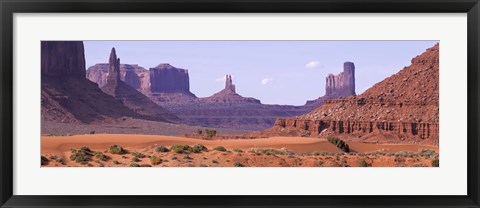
pixel 239 104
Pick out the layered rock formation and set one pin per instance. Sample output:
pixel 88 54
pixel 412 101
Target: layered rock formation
pixel 228 95
pixel 401 108
pixel 132 74
pixel 130 97
pixel 63 58
pixel 340 85
pixel 67 96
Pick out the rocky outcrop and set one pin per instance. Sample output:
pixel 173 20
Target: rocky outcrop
pixel 63 58
pixel 132 74
pixel 165 78
pixel 401 108
pixel 130 97
pixel 340 85
pixel 66 95
pixel 228 95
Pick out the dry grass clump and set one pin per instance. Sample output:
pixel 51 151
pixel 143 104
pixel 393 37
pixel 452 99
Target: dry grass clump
pixel 117 149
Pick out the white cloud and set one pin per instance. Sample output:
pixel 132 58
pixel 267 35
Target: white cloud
pixel 266 81
pixel 312 64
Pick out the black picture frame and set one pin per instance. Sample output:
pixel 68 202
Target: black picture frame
pixel 10 7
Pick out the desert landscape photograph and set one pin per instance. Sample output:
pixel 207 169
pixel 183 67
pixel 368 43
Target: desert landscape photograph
pixel 202 104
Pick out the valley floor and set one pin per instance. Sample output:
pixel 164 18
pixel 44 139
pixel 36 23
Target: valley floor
pixel 143 150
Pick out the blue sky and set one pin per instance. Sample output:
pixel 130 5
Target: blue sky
pixel 276 72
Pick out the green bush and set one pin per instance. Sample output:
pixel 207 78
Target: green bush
pixel 177 148
pixel 135 159
pixel 82 155
pixel 199 148
pixel 138 155
pixel 155 160
pixel 161 148
pixel 210 133
pixel 220 148
pixel 340 144
pixel 238 164
pixel 436 162
pixel 101 156
pixel 363 163
pixel 237 150
pixel 117 149
pixel 43 160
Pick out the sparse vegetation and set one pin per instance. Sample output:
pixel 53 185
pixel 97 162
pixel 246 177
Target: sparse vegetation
pixel 237 150
pixel 363 163
pixel 101 156
pixel 117 149
pixel 92 132
pixel 436 162
pixel 155 160
pixel 220 148
pixel 82 155
pixel 177 148
pixel 339 143
pixel 161 148
pixel 138 155
pixel 116 162
pixel 272 151
pixel 43 160
pixel 199 131
pixel 238 164
pixel 199 148
pixel 134 165
pixel 210 133
pixel 135 159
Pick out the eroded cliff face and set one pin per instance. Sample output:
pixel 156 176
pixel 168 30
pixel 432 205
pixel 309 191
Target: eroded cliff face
pixel 401 108
pixel 132 74
pixel 336 86
pixel 63 58
pixel 66 95
pixel 166 78
pixel 130 97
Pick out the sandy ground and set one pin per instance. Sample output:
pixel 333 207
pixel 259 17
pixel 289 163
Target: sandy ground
pixel 301 148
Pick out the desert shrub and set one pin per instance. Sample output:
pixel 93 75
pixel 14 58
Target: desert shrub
pixel 117 149
pixel 210 133
pixel 134 165
pixel 220 148
pixel 436 162
pixel 174 157
pixel 273 151
pixel 135 159
pixel 339 143
pixel 199 148
pixel 145 165
pixel 116 162
pixel 404 154
pixel 186 157
pixel 199 131
pixel 161 148
pixel 238 164
pixel 177 148
pixel 101 156
pixel 426 152
pixel 237 150
pixel 155 160
pixel 43 160
pixel 363 163
pixel 138 155
pixel 92 132
pixel 82 155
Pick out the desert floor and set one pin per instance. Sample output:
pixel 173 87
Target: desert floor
pixel 265 152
